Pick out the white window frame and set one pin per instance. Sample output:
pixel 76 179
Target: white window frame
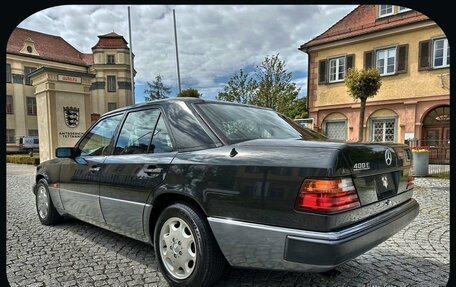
pixel 445 53
pixel 402 9
pixel 326 122
pixel 338 67
pixel 383 119
pixel 380 15
pixel 385 66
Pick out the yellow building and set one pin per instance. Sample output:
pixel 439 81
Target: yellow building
pixel 412 55
pixel 48 79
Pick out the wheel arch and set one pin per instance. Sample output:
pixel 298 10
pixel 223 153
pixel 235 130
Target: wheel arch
pixel 166 199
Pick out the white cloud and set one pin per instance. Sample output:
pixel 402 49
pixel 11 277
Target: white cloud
pixel 214 41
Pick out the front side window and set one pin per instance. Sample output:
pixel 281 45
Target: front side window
pixel 385 10
pixel 28 70
pixel 386 61
pixel 136 132
pixel 383 130
pixel 8 73
pixel 9 105
pixel 110 59
pixel 10 136
pixel 240 123
pixel 441 53
pixel 111 83
pixel 31 106
pixel 336 130
pixel 97 141
pixel 336 69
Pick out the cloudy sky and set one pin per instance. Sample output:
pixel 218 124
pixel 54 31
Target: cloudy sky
pixel 214 41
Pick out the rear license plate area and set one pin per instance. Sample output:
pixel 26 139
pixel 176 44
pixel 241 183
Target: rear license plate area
pixel 385 185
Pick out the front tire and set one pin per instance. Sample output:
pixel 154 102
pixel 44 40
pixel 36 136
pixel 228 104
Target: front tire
pixel 47 213
pixel 187 252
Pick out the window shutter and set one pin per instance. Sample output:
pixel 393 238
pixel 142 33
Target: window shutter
pixel 322 71
pixel 402 59
pixel 424 55
pixel 350 61
pixel 368 59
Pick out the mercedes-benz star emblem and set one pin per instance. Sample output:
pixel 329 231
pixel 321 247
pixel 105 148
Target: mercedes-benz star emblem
pixel 385 181
pixel 388 157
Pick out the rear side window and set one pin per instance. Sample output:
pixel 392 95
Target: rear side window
pixel 161 142
pixel 136 133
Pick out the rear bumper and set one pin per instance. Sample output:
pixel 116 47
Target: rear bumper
pixel 262 246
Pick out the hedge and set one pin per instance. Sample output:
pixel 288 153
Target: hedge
pixel 16 152
pixel 22 159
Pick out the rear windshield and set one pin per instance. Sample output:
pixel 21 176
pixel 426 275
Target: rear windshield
pixel 242 123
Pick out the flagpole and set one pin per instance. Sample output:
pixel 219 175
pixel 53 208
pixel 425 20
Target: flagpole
pixel 177 51
pixel 132 80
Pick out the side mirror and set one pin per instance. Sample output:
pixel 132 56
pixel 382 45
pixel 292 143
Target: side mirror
pixel 64 152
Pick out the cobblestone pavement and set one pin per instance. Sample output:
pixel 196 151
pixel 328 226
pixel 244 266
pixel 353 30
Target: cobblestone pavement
pixel 78 254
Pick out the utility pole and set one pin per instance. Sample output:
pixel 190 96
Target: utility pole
pixel 177 51
pixel 132 80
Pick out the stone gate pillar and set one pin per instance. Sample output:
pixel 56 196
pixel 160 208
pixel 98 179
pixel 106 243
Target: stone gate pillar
pixel 63 108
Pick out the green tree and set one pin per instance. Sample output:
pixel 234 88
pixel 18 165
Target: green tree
pixel 157 90
pixel 361 85
pixel 275 89
pixel 240 88
pixel 298 109
pixel 190 92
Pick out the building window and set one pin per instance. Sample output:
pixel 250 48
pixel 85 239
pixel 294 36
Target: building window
pixel 31 106
pixel 110 59
pixel 10 136
pixel 385 10
pixel 336 69
pixel 28 70
pixel 33 133
pixel 336 130
pixel 112 106
pixel 8 73
pixel 383 130
pixel 386 61
pixel 111 83
pixel 401 9
pixel 441 53
pixel 9 105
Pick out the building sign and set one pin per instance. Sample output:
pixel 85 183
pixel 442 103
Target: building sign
pixel 71 115
pixel 70 79
pixel 73 135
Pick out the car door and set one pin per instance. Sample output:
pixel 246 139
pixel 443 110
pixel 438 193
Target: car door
pixel 80 176
pixel 138 164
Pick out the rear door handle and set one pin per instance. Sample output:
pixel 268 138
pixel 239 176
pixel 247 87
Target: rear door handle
pixel 94 168
pixel 152 170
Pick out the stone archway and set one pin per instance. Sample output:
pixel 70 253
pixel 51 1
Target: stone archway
pixel 436 134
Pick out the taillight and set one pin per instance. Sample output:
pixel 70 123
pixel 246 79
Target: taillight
pixel 410 183
pixel 327 195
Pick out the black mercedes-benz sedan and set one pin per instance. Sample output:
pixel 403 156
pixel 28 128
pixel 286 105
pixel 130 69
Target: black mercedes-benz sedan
pixel 210 183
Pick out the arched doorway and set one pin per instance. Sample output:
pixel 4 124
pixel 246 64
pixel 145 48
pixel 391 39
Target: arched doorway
pixel 436 134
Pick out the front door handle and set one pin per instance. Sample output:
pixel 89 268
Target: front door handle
pixel 94 168
pixel 152 170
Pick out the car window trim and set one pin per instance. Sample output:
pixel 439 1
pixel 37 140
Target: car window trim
pixel 76 146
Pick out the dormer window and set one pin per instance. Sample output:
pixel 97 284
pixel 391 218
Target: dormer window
pixel 29 47
pixel 385 10
pixel 401 9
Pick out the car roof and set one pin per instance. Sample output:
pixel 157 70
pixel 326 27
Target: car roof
pixel 174 100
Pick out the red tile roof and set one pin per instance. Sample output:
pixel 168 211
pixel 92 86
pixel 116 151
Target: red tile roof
pixel 49 47
pixel 363 20
pixel 111 40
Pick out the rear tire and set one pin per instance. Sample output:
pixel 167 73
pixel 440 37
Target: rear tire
pixel 47 213
pixel 186 250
